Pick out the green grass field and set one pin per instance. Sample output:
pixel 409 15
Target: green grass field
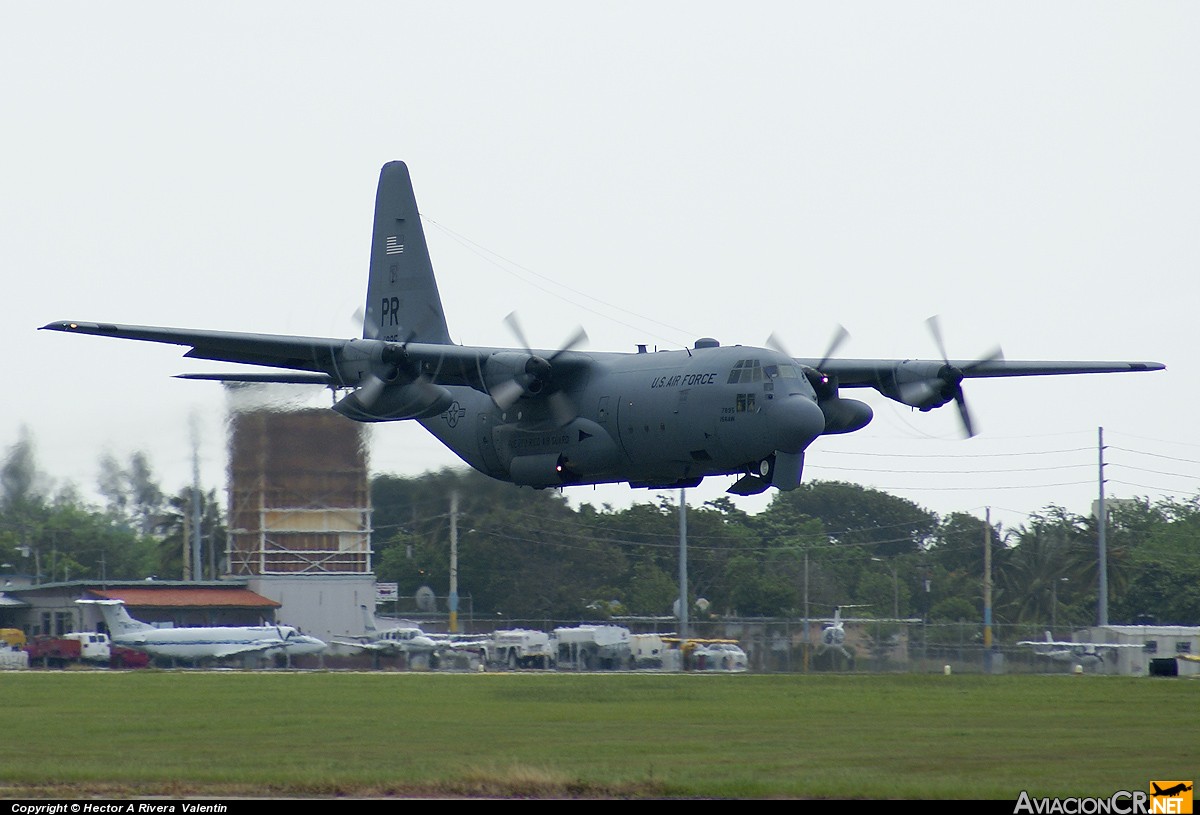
pixel 621 735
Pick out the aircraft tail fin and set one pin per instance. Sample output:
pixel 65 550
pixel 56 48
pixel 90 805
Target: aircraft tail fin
pixel 116 618
pixel 368 620
pixel 403 303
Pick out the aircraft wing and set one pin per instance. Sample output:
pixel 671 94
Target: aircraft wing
pixel 372 647
pixel 928 384
pixel 223 650
pixel 1079 645
pixel 333 361
pixel 868 373
pixel 328 361
pixel 279 351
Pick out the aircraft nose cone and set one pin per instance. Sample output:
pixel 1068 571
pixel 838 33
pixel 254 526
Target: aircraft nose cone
pixel 796 421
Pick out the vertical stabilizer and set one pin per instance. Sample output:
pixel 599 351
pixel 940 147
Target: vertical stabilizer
pixel 403 304
pixel 368 620
pixel 117 619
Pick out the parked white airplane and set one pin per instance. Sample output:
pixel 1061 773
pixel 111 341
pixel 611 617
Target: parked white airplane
pixel 1087 654
pixel 403 639
pixel 211 642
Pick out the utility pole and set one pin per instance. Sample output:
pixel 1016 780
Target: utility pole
pixel 1102 523
pixel 683 581
pixel 807 643
pixel 987 589
pixel 197 523
pixel 453 600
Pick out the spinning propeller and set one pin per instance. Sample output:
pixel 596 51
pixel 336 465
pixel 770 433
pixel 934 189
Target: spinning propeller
pixel 392 367
pixel 535 376
pixel 816 376
pixel 952 376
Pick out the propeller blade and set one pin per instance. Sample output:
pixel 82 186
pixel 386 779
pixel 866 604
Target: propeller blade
pixel 428 390
pixel 562 408
pixel 776 344
pixel 840 335
pixel 514 325
pixel 954 376
pixel 507 393
pixel 370 328
pixel 963 413
pixel 935 328
pixel 368 393
pixel 539 372
pixel 995 355
pixel 578 338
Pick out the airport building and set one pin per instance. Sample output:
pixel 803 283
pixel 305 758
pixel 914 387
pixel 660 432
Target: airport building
pixel 1161 647
pixel 300 509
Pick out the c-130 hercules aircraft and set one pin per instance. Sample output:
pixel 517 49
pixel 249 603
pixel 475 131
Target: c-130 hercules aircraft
pixel 661 419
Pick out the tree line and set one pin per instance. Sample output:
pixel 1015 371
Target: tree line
pixel 525 554
pixel 139 531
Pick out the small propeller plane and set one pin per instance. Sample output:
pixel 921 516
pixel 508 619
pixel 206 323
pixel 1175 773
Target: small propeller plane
pixel 403 639
pixel 1087 654
pixel 553 418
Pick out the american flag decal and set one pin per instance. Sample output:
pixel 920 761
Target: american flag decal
pixel 394 247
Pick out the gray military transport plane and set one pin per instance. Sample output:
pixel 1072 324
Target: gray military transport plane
pixel 556 418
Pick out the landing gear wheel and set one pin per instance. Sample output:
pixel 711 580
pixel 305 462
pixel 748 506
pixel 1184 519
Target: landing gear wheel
pixel 765 467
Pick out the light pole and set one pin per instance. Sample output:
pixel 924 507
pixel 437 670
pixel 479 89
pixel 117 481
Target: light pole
pixel 1054 601
pixel 895 585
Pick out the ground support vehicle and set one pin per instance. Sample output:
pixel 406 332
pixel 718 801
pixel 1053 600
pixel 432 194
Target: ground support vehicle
pixel 593 647
pixel 520 648
pixel 83 647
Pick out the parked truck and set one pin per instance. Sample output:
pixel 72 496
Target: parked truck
pixel 520 648
pixel 82 647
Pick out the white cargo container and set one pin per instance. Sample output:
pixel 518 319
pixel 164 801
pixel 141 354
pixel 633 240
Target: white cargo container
pixel 521 648
pixel 593 647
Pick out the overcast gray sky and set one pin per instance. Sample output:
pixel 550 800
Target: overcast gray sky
pixel 653 171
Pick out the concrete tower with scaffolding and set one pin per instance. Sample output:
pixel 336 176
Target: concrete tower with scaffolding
pixel 300 509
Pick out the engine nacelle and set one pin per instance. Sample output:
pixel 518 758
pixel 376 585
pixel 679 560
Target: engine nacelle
pixel 414 400
pixel 920 384
pixel 845 415
pixel 505 370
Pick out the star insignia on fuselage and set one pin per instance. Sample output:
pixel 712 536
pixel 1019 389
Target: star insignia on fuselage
pixel 454 413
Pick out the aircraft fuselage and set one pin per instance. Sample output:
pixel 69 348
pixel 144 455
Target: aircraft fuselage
pixel 205 643
pixel 658 419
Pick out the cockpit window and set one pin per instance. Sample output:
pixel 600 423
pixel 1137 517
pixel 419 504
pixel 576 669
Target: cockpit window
pixel 781 372
pixel 746 370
